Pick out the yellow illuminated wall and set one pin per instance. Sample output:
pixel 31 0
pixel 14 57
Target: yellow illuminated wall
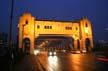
pixel 29 27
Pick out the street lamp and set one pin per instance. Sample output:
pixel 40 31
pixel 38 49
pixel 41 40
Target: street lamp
pixel 10 30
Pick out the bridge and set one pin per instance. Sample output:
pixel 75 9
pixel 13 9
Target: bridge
pixel 30 29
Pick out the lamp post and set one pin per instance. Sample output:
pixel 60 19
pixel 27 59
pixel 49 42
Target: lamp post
pixel 10 29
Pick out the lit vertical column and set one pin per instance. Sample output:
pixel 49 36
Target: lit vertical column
pixel 75 44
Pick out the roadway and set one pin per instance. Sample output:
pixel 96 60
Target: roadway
pixel 62 61
pixel 72 62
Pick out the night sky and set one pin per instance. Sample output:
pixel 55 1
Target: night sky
pixel 63 10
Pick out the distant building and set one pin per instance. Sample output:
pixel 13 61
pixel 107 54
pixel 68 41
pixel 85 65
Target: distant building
pixel 3 39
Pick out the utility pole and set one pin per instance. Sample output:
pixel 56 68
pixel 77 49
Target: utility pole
pixel 11 25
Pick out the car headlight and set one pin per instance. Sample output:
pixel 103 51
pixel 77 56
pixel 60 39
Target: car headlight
pixel 54 53
pixel 78 51
pixel 36 52
pixel 50 53
pixel 84 51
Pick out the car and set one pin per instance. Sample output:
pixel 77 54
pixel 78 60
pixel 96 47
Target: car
pixel 52 53
pixel 36 52
pixel 63 50
pixel 76 51
pixel 84 51
pixel 103 57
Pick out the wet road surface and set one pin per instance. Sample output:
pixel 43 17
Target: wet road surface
pixel 72 62
pixel 62 62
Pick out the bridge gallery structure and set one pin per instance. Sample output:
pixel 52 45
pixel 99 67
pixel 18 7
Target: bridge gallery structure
pixel 29 28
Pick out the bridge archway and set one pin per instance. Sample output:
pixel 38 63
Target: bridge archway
pixel 70 43
pixel 54 42
pixel 26 45
pixel 78 43
pixel 87 44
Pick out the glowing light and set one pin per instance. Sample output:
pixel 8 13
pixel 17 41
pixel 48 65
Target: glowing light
pixel 75 60
pixel 54 53
pixel 86 30
pixel 103 59
pixel 84 51
pixel 36 52
pixel 18 25
pixel 43 43
pixel 52 60
pixel 64 50
pixel 53 63
pixel 46 41
pixel 78 51
pixel 50 53
pixel 73 36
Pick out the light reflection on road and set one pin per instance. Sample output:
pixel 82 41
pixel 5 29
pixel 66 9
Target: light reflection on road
pixel 53 63
pixel 71 62
pixel 74 60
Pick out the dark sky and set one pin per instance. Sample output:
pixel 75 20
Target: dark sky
pixel 63 10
